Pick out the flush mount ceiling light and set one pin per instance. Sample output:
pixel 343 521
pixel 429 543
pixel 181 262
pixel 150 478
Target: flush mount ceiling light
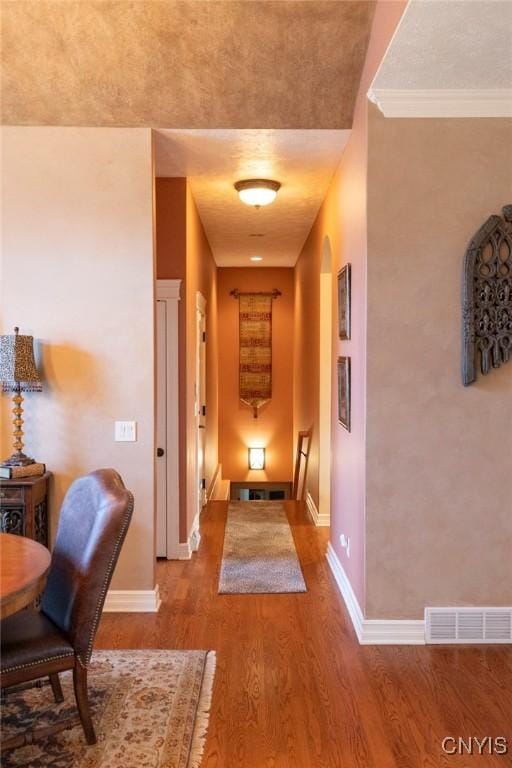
pixel 257 192
pixel 256 258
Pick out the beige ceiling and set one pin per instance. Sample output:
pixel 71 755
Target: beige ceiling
pixel 303 161
pixel 186 63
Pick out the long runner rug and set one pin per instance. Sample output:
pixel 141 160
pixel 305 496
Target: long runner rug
pixel 150 710
pixel 259 552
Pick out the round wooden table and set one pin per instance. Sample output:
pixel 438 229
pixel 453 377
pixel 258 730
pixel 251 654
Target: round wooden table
pixel 24 566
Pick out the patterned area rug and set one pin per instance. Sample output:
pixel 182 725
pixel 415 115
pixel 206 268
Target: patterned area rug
pixel 150 710
pixel 259 552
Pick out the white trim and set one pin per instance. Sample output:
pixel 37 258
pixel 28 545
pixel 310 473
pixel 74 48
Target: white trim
pixel 200 302
pixel 168 289
pixel 393 632
pixel 374 631
pixel 182 551
pixel 346 590
pixel 133 600
pixel 318 519
pixel 443 102
pixel 194 538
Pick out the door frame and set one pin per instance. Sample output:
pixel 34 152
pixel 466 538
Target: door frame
pixel 200 419
pixel 169 291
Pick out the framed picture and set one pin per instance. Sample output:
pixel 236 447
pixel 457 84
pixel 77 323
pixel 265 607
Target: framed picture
pixel 344 392
pixel 344 302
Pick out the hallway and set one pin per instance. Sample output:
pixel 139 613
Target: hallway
pixel 294 689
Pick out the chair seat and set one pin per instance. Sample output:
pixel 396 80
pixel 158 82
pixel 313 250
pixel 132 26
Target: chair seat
pixel 29 638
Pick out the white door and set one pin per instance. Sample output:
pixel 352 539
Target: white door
pixel 161 429
pixel 167 420
pixel 200 402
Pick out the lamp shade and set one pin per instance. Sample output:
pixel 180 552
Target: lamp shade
pixel 257 192
pixel 17 365
pixel 256 458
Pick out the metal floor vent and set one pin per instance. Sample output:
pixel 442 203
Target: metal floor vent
pixel 468 625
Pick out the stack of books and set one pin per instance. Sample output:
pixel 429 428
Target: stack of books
pixel 28 470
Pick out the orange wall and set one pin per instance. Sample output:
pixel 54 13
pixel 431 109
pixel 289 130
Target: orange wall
pixel 238 429
pixel 202 277
pixel 183 252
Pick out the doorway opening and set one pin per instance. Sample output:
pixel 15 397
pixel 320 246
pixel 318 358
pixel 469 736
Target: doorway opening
pixel 325 385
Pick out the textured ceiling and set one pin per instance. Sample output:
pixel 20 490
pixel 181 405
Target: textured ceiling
pixel 450 44
pixel 303 161
pixel 185 63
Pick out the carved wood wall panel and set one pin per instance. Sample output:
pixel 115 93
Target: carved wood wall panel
pixel 487 298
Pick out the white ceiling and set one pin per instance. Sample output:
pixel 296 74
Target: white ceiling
pixel 302 160
pixel 450 44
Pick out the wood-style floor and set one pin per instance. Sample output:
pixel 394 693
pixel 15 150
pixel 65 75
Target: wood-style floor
pixel 293 688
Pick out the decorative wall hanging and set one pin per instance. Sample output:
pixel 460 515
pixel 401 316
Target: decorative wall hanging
pixel 344 277
pixel 344 392
pixel 255 327
pixel 487 297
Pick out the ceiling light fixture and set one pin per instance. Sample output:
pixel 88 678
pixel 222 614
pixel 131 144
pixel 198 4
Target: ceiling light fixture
pixel 256 258
pixel 257 192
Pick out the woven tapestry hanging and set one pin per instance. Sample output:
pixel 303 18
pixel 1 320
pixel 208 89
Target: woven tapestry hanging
pixel 255 326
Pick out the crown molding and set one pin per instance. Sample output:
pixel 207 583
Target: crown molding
pixel 443 102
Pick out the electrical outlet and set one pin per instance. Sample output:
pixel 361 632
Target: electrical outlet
pixel 125 431
pixel 345 543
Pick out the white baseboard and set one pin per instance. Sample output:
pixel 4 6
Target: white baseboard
pixel 317 518
pixel 133 600
pixel 194 538
pixel 185 549
pixel 374 631
pixel 346 590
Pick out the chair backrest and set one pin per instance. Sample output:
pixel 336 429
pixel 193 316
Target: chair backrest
pixel 94 518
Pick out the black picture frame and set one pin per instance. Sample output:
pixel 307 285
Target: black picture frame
pixel 344 285
pixel 344 392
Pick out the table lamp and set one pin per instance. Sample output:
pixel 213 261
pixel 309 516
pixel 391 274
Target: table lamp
pixel 18 374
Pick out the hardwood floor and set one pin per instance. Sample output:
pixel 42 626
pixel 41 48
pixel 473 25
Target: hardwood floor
pixel 293 687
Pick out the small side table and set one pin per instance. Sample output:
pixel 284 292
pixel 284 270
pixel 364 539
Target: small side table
pixel 24 507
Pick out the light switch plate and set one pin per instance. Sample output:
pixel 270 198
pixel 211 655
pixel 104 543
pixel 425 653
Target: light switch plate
pixel 125 431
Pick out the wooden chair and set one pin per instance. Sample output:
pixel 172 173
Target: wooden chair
pixel 301 464
pixel 93 523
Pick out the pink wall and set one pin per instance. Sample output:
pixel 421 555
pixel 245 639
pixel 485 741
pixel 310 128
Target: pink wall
pixel 439 529
pixel 343 219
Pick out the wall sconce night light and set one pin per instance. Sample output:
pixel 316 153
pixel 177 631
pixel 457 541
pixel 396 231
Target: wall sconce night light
pixel 257 192
pixel 256 458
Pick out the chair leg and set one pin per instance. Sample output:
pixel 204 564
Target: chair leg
pixel 56 687
pixel 82 701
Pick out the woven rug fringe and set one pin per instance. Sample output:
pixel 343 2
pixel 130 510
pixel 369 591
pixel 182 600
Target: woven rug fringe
pixel 203 712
